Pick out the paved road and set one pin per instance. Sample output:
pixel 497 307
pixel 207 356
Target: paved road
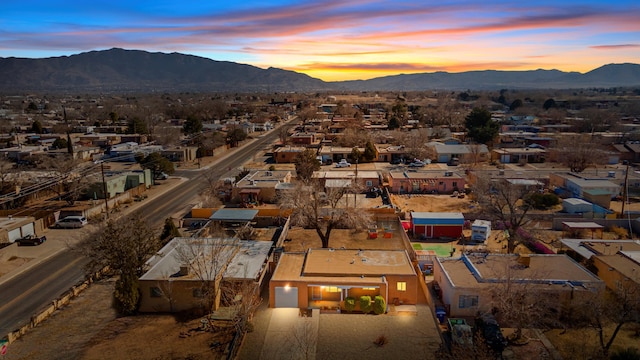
pixel 22 296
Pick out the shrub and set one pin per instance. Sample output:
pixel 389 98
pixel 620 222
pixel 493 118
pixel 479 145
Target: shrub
pixel 349 304
pixel 543 201
pixel 379 305
pixel 365 304
pixel 620 232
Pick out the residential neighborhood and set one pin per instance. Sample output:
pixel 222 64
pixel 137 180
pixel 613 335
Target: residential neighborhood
pixel 352 210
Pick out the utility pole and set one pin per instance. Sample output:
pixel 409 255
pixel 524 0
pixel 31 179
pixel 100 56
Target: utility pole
pixel 104 190
pixel 355 192
pixel 624 189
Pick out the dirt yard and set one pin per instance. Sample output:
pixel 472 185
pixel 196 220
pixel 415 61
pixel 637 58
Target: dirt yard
pixel 432 203
pixel 583 343
pixel 89 328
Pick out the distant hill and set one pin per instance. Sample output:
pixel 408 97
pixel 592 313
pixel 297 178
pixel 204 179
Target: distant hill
pixel 118 70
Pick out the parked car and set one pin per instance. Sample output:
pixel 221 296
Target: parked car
pixel 161 176
pixel 71 222
pixel 417 163
pixel 31 240
pixel 343 163
pixel 488 327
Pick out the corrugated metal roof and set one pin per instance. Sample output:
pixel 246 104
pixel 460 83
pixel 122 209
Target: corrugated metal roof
pixel 234 215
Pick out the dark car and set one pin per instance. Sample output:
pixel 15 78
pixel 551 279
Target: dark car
pixel 31 240
pixel 490 331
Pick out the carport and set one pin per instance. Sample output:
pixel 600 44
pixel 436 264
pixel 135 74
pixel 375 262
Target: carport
pixel 570 226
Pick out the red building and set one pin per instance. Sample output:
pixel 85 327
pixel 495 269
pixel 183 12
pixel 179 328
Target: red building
pixel 431 225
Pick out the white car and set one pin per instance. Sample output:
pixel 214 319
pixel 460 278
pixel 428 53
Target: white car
pixel 71 222
pixel 343 163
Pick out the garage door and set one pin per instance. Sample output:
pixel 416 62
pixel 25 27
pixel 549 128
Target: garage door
pixel 14 235
pixel 27 229
pixel 286 297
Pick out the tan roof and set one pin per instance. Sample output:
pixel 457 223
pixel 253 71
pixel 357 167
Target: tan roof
pixel 624 263
pixel 339 262
pixel 486 269
pixel 290 269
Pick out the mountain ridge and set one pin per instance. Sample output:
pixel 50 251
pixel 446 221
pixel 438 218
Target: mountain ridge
pixel 121 70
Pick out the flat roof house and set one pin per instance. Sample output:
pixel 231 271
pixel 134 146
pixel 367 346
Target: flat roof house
pixel 325 277
pixel 260 185
pixel 364 179
pixel 425 182
pixel 466 282
pixel 184 273
pixel 620 271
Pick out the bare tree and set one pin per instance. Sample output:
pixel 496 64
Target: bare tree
pixel 314 208
pixel 244 298
pixel 505 202
pixel 206 259
pixel 518 301
pixel 414 142
pixel 303 340
pixel 306 163
pixel 167 135
pixel 578 154
pixel 215 190
pixel 614 309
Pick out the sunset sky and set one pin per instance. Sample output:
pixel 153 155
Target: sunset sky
pixel 337 40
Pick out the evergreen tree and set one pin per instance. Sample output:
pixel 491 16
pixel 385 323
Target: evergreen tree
pixel 69 144
pixel 193 125
pixel 170 230
pixel 480 127
pixel 36 127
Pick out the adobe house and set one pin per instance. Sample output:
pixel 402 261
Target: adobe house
pixel 389 153
pixel 519 155
pixel 337 153
pixel 436 224
pixel 325 277
pixel 260 185
pixel 287 154
pixel 621 271
pixel 448 152
pixel 180 273
pixel 180 153
pixel 466 281
pixel 365 179
pixel 425 182
pixel 598 190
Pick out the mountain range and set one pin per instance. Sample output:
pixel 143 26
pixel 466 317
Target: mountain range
pixel 119 70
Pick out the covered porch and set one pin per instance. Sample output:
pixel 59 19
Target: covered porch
pixel 331 297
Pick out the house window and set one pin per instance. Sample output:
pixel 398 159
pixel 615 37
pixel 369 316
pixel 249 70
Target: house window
pixel 369 288
pixel 467 301
pixel 455 184
pixel 156 292
pixel 369 183
pixel 401 286
pixel 198 293
pixel 331 289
